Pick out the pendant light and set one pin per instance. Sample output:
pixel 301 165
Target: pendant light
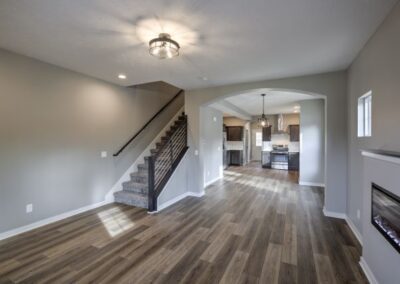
pixel 263 121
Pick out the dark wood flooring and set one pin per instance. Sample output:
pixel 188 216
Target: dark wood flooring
pixel 254 226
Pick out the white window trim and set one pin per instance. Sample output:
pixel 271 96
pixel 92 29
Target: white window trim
pixel 364 111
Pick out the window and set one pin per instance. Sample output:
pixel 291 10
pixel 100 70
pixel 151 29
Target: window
pixel 364 115
pixel 258 139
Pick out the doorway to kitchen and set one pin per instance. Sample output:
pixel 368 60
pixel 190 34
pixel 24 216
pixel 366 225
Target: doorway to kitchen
pixel 288 134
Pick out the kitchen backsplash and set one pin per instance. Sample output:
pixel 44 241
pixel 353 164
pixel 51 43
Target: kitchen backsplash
pixel 281 139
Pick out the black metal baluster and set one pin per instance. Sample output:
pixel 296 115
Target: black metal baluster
pixel 152 194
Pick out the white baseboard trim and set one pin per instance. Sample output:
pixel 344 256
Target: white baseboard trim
pixel 367 271
pixel 212 181
pixel 334 214
pixel 354 229
pixel 41 223
pixel 306 183
pixel 177 199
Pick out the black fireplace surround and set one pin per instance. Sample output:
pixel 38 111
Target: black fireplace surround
pixel 385 214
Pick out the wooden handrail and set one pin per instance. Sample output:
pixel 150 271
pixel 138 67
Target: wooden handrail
pixel 147 123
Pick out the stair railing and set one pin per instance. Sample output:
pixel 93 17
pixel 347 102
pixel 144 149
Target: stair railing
pixel 147 124
pixel 163 163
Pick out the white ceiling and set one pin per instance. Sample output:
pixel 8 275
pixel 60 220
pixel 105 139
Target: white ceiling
pixel 226 41
pixel 275 102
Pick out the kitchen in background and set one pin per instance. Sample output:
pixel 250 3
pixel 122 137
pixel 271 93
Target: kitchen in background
pixel 276 146
pixel 280 145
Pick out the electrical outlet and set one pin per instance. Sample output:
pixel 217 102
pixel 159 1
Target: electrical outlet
pixel 215 119
pixel 358 214
pixel 29 208
pixel 219 148
pixel 103 154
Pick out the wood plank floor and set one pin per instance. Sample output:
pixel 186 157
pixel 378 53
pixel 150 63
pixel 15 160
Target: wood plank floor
pixel 254 226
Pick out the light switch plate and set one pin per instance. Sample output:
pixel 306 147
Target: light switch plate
pixel 196 152
pixel 29 208
pixel 103 154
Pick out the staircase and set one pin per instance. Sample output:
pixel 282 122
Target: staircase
pixel 146 183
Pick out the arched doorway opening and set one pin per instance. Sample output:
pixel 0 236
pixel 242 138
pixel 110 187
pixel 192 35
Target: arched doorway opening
pixel 246 106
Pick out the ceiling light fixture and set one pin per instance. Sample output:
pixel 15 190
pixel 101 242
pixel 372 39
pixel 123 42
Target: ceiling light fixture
pixel 122 76
pixel 163 46
pixel 263 121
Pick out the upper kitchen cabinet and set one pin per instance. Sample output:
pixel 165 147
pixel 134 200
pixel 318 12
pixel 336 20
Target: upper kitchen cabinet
pixel 234 133
pixel 266 133
pixel 294 132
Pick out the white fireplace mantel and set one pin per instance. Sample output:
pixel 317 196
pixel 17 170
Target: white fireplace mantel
pixel 380 260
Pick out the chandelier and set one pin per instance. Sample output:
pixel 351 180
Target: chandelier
pixel 163 46
pixel 263 121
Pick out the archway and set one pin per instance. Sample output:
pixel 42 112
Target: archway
pixel 330 86
pixel 210 161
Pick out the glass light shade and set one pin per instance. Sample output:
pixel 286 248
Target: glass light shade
pixel 163 47
pixel 263 121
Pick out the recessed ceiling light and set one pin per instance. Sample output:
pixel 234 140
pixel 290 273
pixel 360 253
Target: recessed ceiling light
pixel 122 76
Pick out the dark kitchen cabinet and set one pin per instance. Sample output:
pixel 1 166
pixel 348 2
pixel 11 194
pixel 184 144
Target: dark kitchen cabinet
pixel 235 157
pixel 294 132
pixel 234 133
pixel 266 159
pixel 266 133
pixel 294 161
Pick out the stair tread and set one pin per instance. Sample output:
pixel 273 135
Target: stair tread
pixel 139 174
pixel 130 194
pixel 136 183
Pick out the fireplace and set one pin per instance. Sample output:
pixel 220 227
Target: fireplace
pixel 385 214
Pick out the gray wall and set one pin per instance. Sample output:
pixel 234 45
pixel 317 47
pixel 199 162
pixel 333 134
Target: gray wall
pixel 211 128
pixel 312 144
pixel 330 85
pixel 54 123
pixel 377 68
pixel 177 185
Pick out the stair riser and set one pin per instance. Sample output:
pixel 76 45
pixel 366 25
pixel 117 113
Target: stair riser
pixel 135 189
pixel 139 179
pixel 132 202
pixel 143 168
